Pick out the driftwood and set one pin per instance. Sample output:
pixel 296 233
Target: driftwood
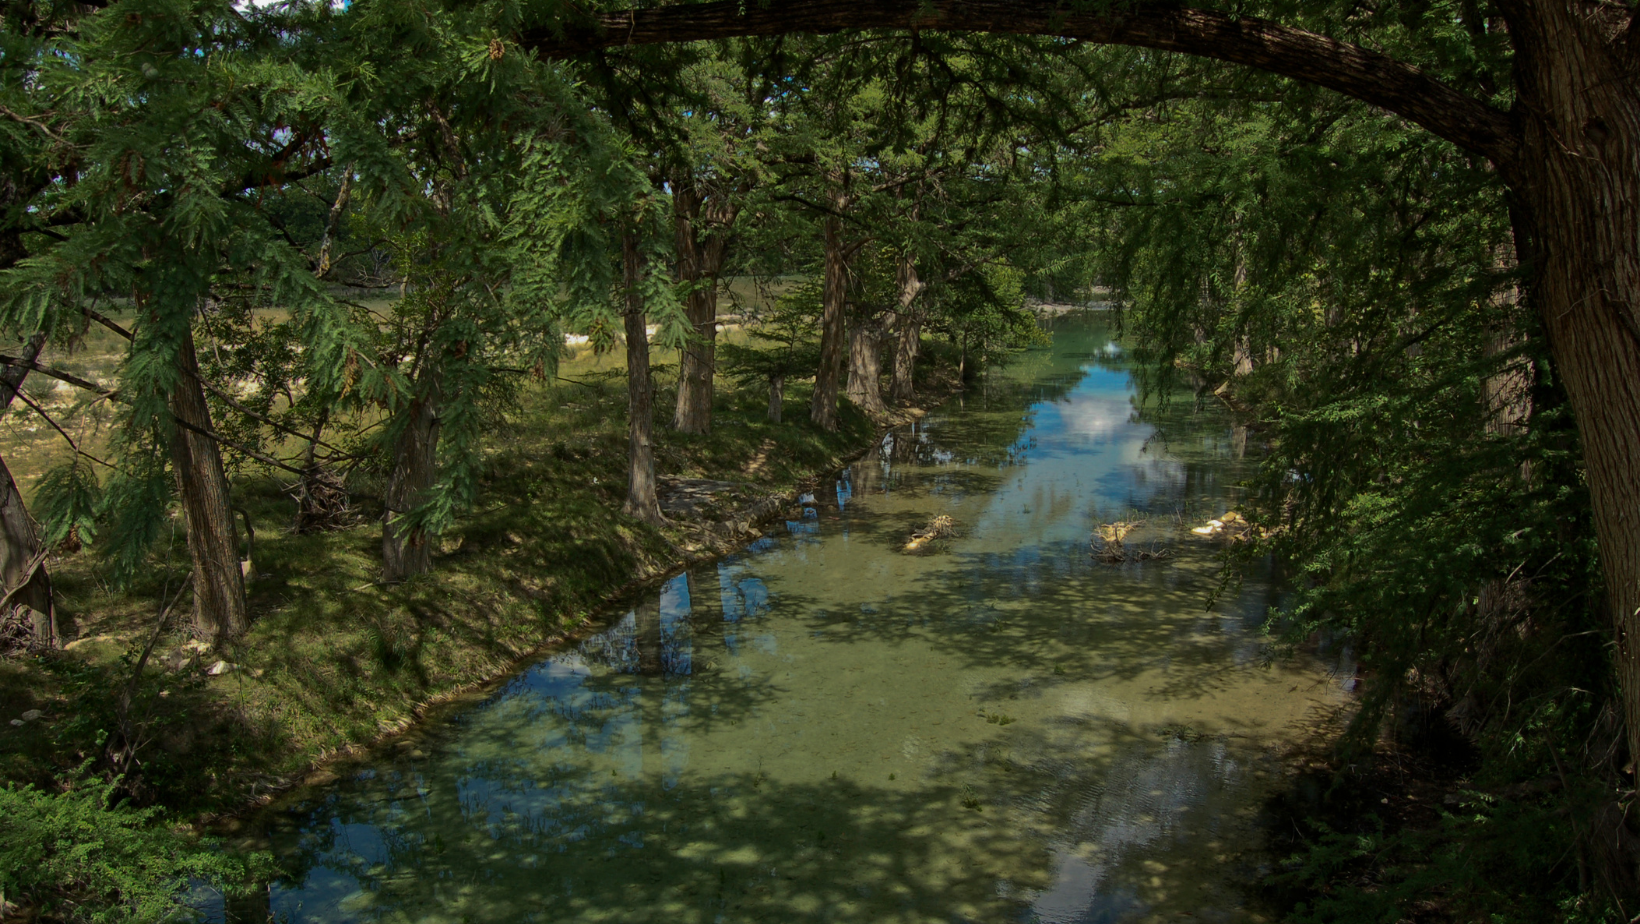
pixel 1110 544
pixel 1232 526
pixel 941 527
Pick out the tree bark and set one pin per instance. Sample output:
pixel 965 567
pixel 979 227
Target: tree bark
pixel 703 223
pixel 406 552
pixel 641 499
pixel 25 578
pixel 777 397
pixel 1576 213
pixel 220 613
pixel 834 295
pixel 908 330
pixel 1506 396
pixel 865 369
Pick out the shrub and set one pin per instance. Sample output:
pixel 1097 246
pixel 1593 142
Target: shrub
pixel 75 859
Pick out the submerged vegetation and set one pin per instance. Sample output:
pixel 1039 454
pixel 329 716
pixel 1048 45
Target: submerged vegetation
pixel 337 321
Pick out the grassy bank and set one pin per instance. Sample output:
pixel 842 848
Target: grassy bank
pixel 335 660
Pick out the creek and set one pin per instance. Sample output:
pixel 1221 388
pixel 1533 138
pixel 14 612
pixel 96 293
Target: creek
pixel 825 727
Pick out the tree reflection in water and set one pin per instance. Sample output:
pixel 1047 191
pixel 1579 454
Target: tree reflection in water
pixel 822 728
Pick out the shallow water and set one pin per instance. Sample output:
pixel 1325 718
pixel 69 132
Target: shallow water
pixel 826 728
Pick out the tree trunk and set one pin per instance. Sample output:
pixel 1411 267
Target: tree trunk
pixel 865 369
pixel 1506 396
pixel 823 408
pixel 213 541
pixel 1578 187
pixel 641 500
pixel 406 552
pixel 22 568
pixel 703 225
pixel 909 331
pixel 777 397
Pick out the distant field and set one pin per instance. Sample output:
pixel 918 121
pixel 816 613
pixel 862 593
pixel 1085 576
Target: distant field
pixel 31 446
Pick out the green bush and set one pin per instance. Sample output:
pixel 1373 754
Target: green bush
pixel 74 859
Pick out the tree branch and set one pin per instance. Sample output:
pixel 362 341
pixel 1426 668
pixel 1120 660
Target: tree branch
pixel 57 374
pixel 1359 72
pixel 62 433
pixel 78 382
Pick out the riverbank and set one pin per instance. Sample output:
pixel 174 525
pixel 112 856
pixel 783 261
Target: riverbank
pixel 336 661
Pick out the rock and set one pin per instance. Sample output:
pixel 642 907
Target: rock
pixel 17 722
pixel 31 715
pixel 220 668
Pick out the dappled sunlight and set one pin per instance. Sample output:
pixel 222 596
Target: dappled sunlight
pixel 825 726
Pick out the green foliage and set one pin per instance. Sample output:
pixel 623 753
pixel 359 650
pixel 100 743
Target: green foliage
pixel 984 312
pixel 66 500
pixel 76 858
pixel 790 350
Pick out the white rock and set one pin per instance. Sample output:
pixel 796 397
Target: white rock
pixel 31 715
pixel 17 721
pixel 219 668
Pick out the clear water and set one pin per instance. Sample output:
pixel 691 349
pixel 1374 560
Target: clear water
pixel 824 727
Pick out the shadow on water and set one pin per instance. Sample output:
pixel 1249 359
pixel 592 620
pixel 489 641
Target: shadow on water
pixel 568 844
pixel 826 727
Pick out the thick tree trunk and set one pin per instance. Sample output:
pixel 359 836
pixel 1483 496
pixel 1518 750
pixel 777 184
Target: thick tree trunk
pixel 213 541
pixel 22 566
pixel 834 295
pixel 908 338
pixel 865 369
pixel 406 552
pixel 641 499
pixel 1577 210
pixel 698 363
pixel 1507 396
pixel 703 226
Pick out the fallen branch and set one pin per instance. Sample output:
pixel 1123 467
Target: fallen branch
pixel 941 527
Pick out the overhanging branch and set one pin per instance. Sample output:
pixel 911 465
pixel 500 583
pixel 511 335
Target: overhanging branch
pixel 1359 72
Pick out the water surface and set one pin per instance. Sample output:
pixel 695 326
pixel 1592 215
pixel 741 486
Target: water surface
pixel 826 728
